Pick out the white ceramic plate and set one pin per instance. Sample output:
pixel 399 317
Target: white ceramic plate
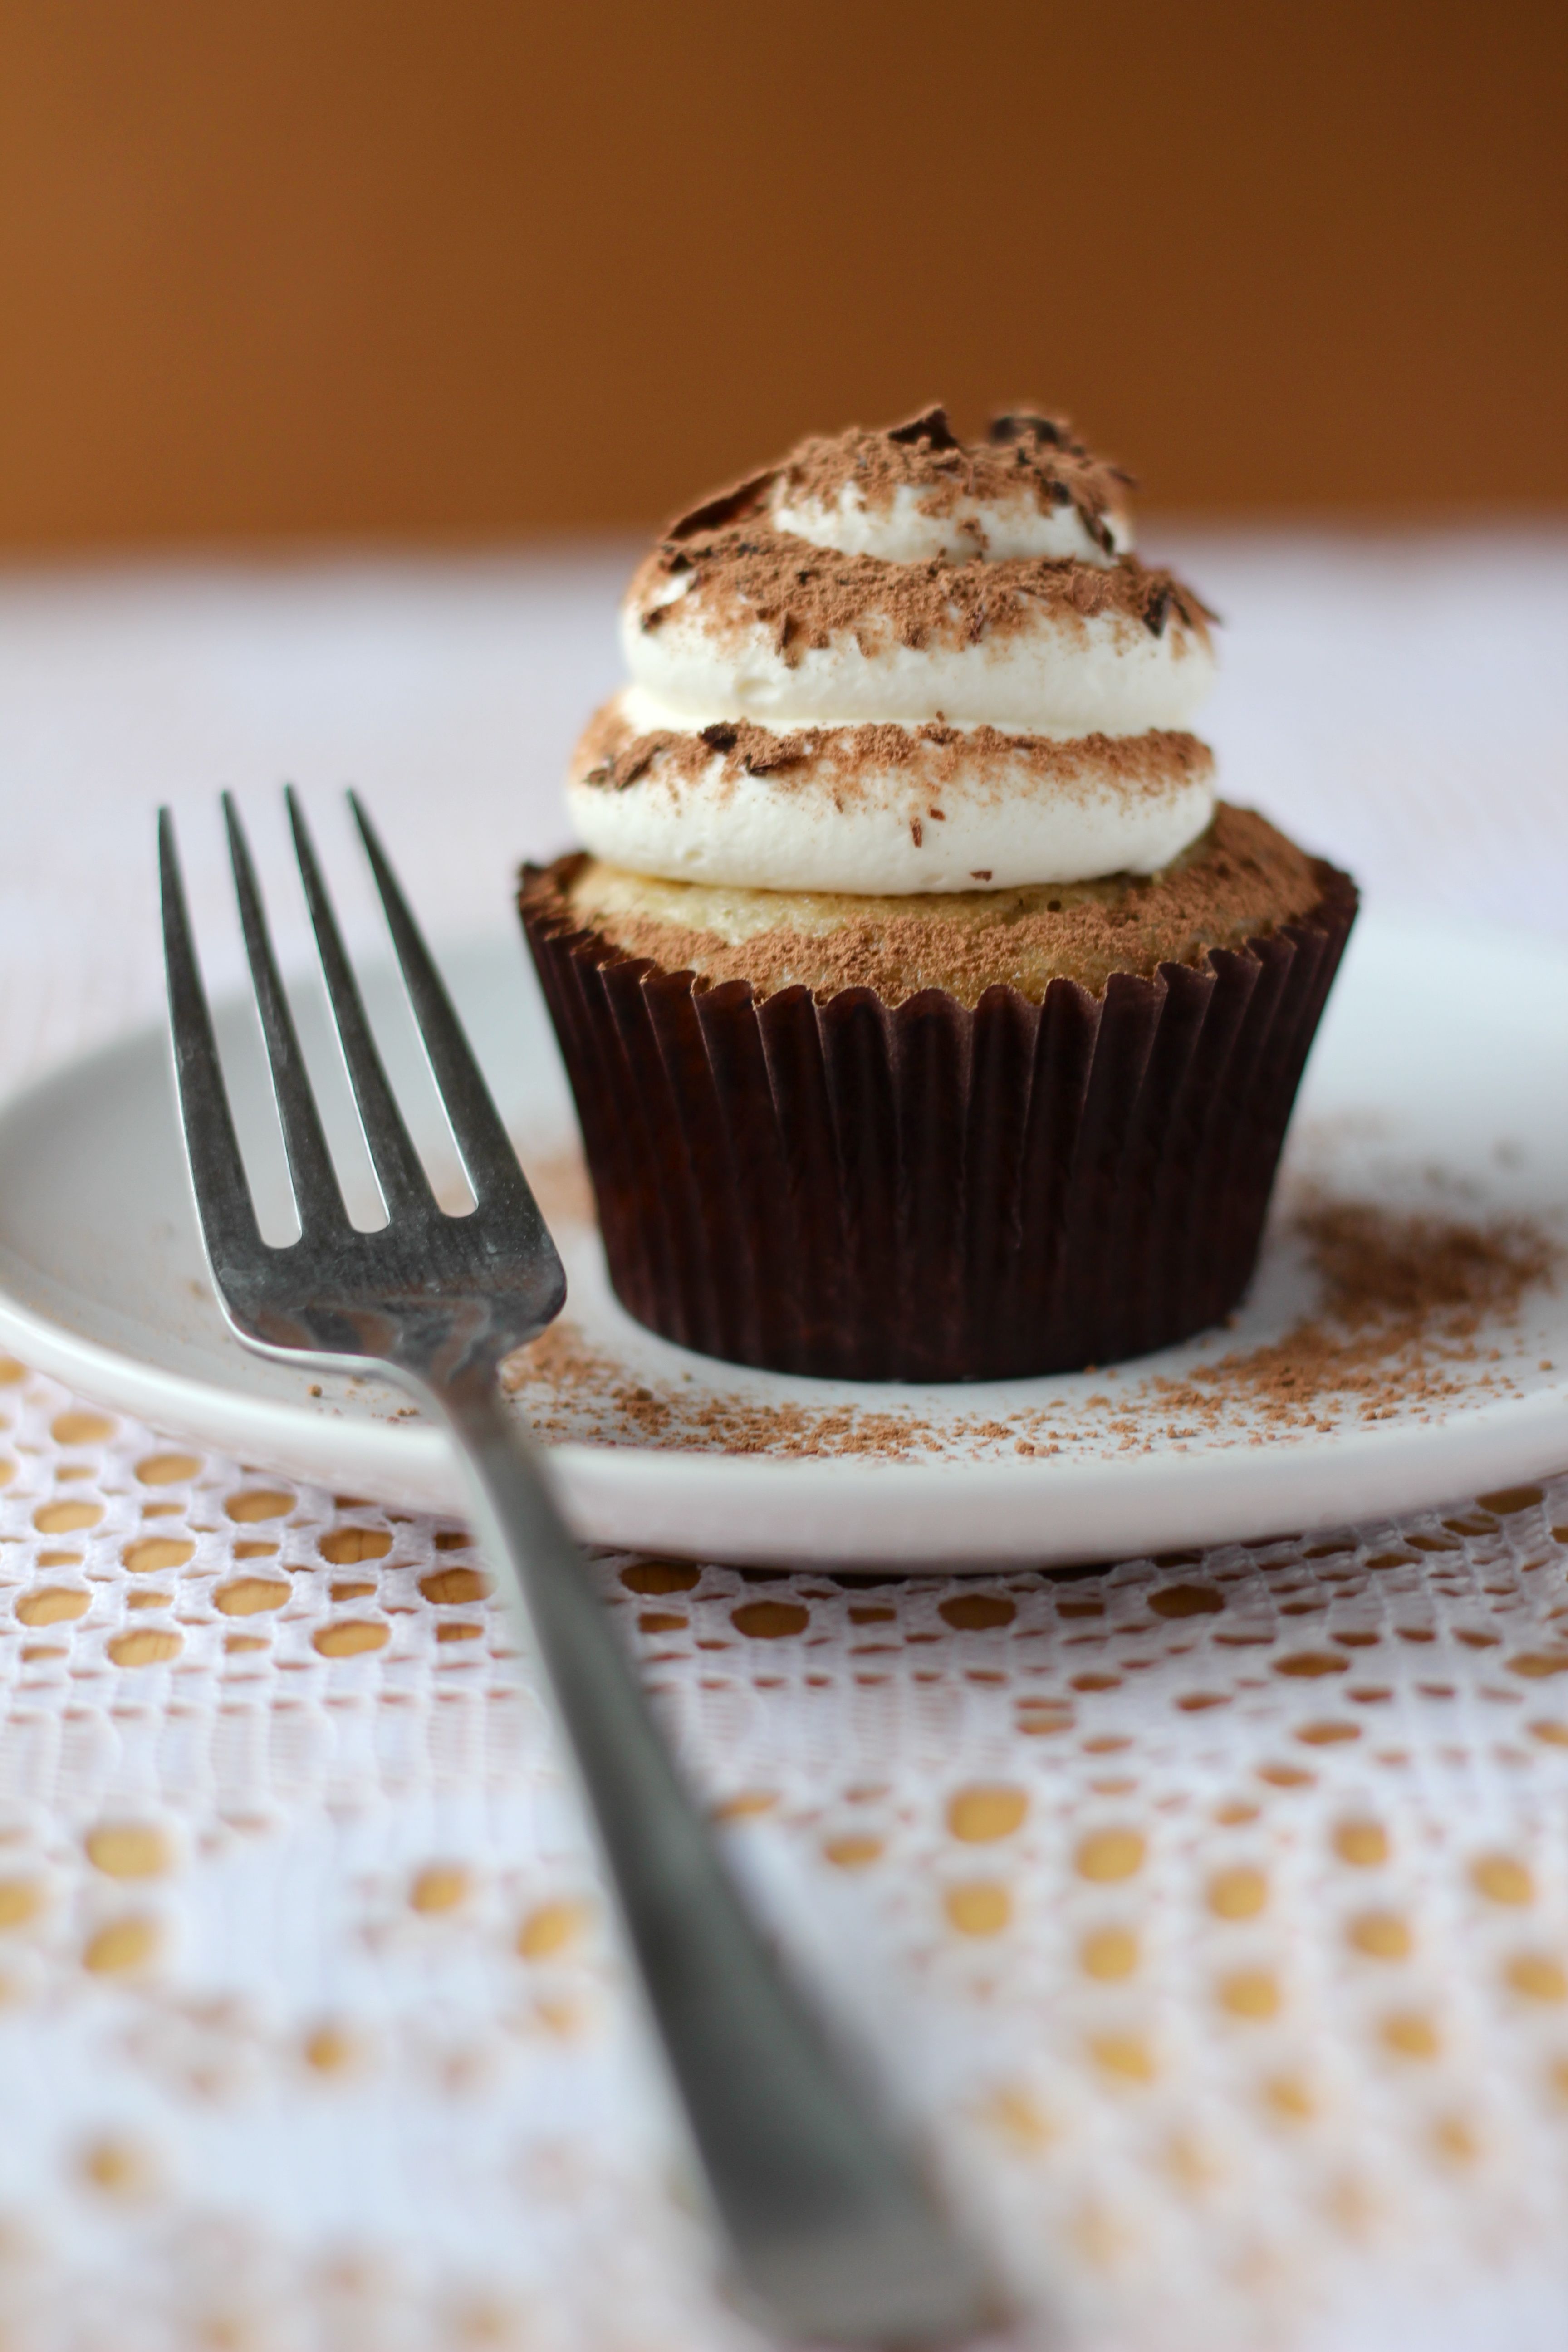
pixel 1439 1087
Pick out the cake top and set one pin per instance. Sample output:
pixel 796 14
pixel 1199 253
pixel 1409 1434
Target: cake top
pixel 908 535
pixel 913 492
pixel 906 575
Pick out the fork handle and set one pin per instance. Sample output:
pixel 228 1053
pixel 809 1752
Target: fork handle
pixel 832 2232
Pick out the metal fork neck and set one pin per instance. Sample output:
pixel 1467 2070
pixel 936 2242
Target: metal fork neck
pixel 831 2223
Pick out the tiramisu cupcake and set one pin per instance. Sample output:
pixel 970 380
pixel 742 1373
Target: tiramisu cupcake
pixel 927 1016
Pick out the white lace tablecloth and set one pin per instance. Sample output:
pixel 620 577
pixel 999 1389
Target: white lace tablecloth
pixel 1210 1914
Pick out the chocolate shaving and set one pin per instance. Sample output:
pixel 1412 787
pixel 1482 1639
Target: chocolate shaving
pixel 1028 424
pixel 620 771
pixel 930 426
pixel 729 506
pixel 1029 429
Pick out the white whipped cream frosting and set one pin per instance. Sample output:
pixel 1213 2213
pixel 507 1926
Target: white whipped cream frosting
pixel 906 531
pixel 905 815
pixel 973 810
pixel 1060 673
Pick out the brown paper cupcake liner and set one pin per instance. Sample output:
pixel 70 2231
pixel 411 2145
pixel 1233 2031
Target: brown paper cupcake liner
pixel 932 1191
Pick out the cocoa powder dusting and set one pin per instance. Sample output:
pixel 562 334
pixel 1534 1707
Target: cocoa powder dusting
pixel 1405 1300
pixel 745 580
pixel 610 757
pixel 1026 455
pixel 1415 1315
pixel 739 574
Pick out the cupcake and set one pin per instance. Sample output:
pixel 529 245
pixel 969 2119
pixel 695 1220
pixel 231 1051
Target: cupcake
pixel 928 1015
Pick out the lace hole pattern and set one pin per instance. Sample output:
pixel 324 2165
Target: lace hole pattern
pixel 1210 1913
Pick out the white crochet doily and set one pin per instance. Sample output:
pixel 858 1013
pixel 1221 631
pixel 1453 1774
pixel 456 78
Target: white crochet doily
pixel 1210 1915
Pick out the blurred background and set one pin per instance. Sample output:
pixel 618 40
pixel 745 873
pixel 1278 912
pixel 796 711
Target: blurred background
pixel 349 347
pixel 284 270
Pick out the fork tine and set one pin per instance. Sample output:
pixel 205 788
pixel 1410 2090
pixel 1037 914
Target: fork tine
pixel 404 1183
pixel 316 1193
pixel 217 1172
pixel 481 1139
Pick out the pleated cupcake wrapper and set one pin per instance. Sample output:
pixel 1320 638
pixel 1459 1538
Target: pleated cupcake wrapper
pixel 932 1191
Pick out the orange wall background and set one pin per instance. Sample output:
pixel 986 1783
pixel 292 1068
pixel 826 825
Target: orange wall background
pixel 364 268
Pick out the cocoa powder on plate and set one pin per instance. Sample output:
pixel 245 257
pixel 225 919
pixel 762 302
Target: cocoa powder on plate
pixel 1411 1310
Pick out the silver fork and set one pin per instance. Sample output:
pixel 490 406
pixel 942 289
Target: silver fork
pixel 833 2234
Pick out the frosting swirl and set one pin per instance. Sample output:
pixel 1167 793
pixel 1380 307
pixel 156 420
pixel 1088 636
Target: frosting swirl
pixel 898 664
